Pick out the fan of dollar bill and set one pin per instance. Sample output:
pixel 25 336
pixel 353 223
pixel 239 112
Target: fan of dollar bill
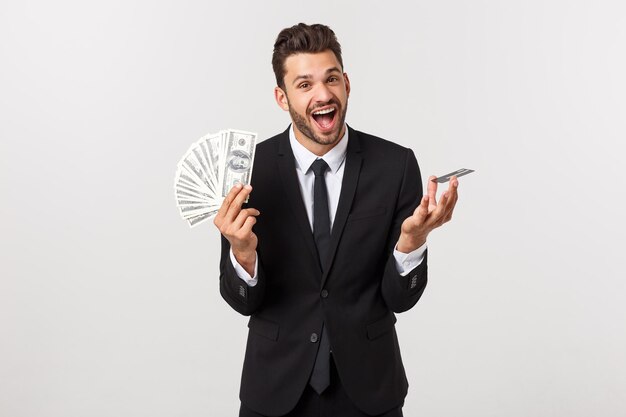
pixel 209 169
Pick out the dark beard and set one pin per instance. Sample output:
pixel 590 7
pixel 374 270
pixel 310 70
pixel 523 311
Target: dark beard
pixel 304 126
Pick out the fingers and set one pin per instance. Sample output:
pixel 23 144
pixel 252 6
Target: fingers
pixel 421 212
pixel 432 190
pixel 235 205
pixel 226 203
pixel 438 214
pixel 231 206
pixel 246 229
pixel 235 223
pixel 456 196
pixel 230 211
pixel 429 215
pixel 243 216
pixel 452 197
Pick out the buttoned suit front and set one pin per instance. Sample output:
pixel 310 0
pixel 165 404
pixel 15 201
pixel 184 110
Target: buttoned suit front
pixel 355 294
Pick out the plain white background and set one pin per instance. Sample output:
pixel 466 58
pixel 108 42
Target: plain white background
pixel 109 303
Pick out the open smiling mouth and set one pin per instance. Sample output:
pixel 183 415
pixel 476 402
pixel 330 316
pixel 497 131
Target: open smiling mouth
pixel 325 118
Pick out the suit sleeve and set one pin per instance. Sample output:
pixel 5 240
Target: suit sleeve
pixel 240 296
pixel 402 292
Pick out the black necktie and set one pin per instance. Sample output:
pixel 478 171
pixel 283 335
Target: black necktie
pixel 320 378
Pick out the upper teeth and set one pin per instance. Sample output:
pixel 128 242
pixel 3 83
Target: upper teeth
pixel 325 111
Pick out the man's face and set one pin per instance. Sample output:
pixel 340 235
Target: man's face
pixel 316 95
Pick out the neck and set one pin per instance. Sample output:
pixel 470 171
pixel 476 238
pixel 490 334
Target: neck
pixel 318 149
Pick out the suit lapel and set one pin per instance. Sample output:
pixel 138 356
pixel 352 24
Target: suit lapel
pixel 291 187
pixel 348 189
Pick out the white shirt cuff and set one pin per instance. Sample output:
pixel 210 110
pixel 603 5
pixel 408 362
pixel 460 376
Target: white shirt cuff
pixel 406 262
pixel 241 273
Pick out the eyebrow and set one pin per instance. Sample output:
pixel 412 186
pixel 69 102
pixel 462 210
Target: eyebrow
pixel 309 76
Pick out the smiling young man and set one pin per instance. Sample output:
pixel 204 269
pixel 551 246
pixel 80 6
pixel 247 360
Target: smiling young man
pixel 318 113
pixel 331 244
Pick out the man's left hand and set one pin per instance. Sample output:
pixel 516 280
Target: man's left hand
pixel 428 215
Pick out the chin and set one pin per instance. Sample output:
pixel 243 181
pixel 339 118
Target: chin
pixel 328 138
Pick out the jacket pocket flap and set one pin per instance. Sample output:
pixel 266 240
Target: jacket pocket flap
pixel 381 327
pixel 264 327
pixel 367 213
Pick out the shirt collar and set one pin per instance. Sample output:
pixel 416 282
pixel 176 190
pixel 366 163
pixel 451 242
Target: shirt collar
pixel 304 158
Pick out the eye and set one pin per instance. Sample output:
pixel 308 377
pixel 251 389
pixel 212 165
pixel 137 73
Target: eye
pixel 333 79
pixel 303 85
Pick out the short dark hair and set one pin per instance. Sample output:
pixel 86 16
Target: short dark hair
pixel 302 38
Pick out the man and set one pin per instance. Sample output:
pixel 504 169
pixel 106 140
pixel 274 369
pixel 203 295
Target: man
pixel 331 244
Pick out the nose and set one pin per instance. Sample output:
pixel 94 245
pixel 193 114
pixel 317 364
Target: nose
pixel 323 93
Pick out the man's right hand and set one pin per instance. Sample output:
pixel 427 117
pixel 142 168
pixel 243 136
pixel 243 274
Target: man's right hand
pixel 236 224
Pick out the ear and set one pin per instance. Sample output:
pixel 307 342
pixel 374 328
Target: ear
pixel 347 81
pixel 281 98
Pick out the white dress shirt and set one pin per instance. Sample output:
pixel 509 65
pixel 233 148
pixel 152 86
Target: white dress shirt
pixel 335 158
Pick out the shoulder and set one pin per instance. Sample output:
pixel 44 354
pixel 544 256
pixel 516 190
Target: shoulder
pixel 270 145
pixel 371 144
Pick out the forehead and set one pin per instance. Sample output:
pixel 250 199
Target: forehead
pixel 310 64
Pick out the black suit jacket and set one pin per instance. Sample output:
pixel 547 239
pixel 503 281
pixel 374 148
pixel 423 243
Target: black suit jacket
pixel 357 295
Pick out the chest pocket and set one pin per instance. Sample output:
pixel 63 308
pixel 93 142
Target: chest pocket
pixel 365 214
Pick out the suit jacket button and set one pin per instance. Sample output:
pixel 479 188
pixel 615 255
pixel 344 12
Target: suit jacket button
pixel 314 337
pixel 324 293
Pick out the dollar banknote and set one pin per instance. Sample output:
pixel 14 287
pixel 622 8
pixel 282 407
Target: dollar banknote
pixel 209 169
pixel 238 160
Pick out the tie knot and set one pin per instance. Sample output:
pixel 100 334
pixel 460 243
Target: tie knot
pixel 319 167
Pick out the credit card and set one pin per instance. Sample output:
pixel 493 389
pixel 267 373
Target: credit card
pixel 458 173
